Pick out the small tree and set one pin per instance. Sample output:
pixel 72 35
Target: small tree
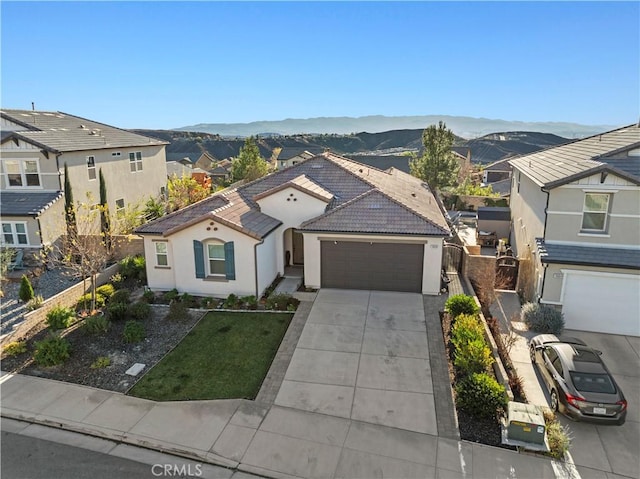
pixel 69 209
pixel 184 191
pixel 105 220
pixel 82 252
pixel 249 165
pixel 437 166
pixel 26 290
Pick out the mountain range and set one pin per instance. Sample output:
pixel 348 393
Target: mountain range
pixel 463 126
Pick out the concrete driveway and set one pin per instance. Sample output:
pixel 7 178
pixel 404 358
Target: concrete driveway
pixel 614 449
pixel 363 355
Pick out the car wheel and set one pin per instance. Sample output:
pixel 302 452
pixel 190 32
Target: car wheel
pixel 554 400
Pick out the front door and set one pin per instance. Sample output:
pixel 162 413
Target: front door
pixel 298 248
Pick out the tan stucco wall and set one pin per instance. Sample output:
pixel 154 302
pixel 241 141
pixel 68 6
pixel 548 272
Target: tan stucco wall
pixel 120 181
pixel 430 271
pixel 48 167
pixel 565 212
pixel 527 213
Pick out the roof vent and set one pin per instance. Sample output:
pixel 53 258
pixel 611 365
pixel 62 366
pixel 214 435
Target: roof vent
pixel 413 194
pixel 317 166
pixel 82 127
pixel 375 206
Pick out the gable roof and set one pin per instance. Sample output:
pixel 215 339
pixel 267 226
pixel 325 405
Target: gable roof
pixel 288 152
pixel 565 163
pixel 409 206
pixel 27 203
pixel 300 183
pixel 500 165
pixel 60 132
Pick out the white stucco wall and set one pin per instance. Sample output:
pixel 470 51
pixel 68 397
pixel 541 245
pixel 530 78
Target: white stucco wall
pixel 180 273
pixel 527 213
pixel 267 265
pixel 430 271
pixel 292 207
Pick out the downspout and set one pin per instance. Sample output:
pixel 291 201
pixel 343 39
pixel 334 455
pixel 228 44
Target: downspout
pixel 544 235
pixel 255 262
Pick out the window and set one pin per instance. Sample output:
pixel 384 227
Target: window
pixel 135 161
pixel 22 173
pixel 116 153
pixel 14 234
pixel 594 213
pixel 162 257
pixel 216 260
pixel 91 167
pixel 518 183
pixel 120 206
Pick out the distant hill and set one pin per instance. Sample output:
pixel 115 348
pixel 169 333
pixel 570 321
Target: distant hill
pixel 466 127
pixel 486 149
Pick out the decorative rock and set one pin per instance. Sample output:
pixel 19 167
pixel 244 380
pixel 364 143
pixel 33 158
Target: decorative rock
pixel 135 369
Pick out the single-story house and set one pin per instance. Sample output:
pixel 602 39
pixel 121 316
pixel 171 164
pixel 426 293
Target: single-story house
pixel 350 226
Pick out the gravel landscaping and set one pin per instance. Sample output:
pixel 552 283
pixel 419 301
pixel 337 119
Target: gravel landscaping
pixel 162 335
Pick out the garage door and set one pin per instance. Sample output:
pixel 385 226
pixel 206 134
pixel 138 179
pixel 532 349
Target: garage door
pixel 606 303
pixel 379 266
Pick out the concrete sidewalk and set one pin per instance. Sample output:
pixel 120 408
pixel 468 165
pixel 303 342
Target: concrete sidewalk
pixel 275 440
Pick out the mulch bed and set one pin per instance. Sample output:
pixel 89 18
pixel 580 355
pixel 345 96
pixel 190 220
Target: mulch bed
pixel 162 335
pixel 483 431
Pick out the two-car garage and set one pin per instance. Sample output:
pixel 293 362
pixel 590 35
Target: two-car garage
pixel 372 265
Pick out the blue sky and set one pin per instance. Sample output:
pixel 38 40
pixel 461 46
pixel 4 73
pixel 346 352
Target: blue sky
pixel 171 64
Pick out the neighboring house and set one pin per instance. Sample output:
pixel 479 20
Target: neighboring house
pixel 221 172
pixel 576 209
pixel 35 147
pixel 205 162
pixel 350 226
pixel 497 171
pixel 202 177
pixel 289 156
pixel 384 162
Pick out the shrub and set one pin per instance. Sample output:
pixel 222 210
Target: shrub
pixel 106 290
pixel 177 312
pixel 85 301
pixel 121 296
pixel 231 302
pixel 559 439
pixel 60 317
pixel 26 290
pixel 473 357
pixel 116 280
pixel 101 362
pixel 35 303
pixel 249 302
pixel 481 395
pixel 51 351
pixel 210 303
pixel 117 311
pixel 133 268
pixel 140 311
pixel 14 348
pixel 171 295
pixel 466 328
pixel 149 296
pixel 281 302
pixel 461 304
pixel 542 318
pixel 133 332
pixel 188 300
pixel 95 325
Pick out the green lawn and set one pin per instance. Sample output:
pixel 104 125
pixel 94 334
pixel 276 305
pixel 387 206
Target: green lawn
pixel 226 355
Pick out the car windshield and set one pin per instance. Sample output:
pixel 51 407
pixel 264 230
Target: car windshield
pixel 592 383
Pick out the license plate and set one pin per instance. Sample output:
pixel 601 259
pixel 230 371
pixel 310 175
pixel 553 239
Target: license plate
pixel 599 410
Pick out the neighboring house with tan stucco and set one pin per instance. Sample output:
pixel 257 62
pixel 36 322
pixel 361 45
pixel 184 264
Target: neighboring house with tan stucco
pixel 575 209
pixel 36 146
pixel 349 225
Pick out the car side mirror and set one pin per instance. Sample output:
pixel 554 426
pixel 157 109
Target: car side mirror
pixel 598 352
pixel 539 348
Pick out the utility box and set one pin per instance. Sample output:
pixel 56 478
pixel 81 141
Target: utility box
pixel 525 423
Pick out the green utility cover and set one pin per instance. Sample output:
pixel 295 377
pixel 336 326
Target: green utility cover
pixel 525 422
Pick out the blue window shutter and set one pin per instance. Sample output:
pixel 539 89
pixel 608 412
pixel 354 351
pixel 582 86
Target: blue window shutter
pixel 198 256
pixel 229 261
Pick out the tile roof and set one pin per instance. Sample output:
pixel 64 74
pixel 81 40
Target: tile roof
pixel 59 132
pixel 494 213
pixel 372 212
pixel 502 187
pixel 565 163
pixel 408 205
pixel 27 203
pixel 301 183
pixel 500 165
pixel 588 255
pixel 383 162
